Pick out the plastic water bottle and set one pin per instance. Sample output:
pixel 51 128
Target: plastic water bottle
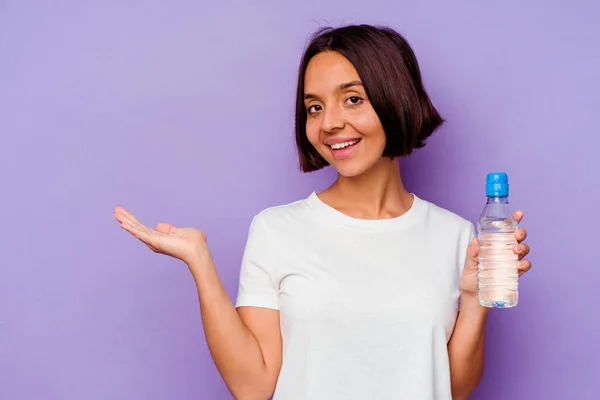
pixel 498 272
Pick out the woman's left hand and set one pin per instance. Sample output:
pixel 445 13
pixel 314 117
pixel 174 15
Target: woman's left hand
pixel 469 278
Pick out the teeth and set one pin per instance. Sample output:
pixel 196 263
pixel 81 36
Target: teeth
pixel 339 146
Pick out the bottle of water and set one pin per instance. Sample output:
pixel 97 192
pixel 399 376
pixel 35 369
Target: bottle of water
pixel 498 272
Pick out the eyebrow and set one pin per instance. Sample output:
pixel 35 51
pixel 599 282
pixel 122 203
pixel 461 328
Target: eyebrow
pixel 339 88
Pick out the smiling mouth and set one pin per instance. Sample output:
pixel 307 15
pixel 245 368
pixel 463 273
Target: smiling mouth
pixel 343 145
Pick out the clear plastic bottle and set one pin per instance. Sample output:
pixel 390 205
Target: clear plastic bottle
pixel 498 272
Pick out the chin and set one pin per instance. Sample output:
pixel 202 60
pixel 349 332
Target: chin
pixel 350 169
pixel 356 167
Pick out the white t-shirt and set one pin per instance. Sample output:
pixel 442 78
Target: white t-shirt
pixel 366 306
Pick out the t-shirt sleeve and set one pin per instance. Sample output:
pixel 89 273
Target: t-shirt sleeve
pixel 257 286
pixel 466 236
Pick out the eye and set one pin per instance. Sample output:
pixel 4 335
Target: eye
pixel 354 100
pixel 313 109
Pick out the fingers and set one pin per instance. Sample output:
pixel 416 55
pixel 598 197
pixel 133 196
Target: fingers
pixel 123 213
pixel 520 234
pixel 518 215
pixel 521 249
pixel 136 231
pixel 523 266
pixel 125 216
pixel 165 228
pixel 136 228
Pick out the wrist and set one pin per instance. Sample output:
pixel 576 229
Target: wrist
pixel 469 305
pixel 199 260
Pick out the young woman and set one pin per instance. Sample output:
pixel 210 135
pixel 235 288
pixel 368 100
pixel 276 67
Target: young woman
pixel 351 293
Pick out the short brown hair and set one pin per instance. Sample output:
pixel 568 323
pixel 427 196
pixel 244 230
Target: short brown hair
pixel 390 74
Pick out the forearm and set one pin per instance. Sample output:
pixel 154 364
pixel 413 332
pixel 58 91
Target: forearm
pixel 466 348
pixel 235 351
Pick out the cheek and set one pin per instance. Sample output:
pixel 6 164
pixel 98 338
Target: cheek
pixel 370 126
pixel 312 132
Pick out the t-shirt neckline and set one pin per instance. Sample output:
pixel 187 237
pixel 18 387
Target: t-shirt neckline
pixel 333 215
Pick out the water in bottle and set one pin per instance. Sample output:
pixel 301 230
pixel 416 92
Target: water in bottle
pixel 498 272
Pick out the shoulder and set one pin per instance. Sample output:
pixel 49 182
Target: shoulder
pixel 451 230
pixel 448 220
pixel 283 215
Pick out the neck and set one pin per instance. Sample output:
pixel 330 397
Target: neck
pixel 375 194
pixel 497 199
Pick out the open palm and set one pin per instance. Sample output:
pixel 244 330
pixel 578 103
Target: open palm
pixel 181 243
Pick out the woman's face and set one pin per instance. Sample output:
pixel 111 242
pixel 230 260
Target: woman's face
pixel 341 123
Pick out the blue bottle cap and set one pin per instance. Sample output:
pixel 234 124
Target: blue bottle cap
pixel 496 184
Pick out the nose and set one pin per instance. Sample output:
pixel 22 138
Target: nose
pixel 333 119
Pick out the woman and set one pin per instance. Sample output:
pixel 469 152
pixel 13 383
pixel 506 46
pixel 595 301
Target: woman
pixel 351 293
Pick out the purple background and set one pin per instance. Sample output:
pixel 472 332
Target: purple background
pixel 182 112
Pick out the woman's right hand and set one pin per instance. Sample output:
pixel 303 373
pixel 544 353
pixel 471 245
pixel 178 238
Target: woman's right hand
pixel 181 243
